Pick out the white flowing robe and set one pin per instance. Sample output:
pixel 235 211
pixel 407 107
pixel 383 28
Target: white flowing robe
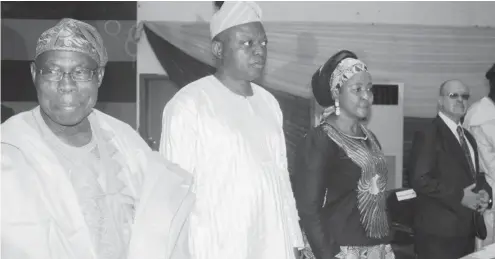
pixel 480 120
pixel 235 147
pixel 41 216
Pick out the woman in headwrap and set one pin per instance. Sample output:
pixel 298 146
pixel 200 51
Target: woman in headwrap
pixel 480 120
pixel 341 171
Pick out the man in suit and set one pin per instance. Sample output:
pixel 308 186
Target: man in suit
pixel 444 164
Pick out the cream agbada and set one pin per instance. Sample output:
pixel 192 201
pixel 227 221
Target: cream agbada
pixel 77 183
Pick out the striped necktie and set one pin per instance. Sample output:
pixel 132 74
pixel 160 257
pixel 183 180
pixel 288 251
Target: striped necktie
pixel 465 148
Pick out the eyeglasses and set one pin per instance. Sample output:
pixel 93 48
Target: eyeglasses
pixel 455 96
pixel 81 75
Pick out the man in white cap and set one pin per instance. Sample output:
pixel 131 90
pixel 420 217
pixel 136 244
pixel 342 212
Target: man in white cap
pixel 228 132
pixel 77 183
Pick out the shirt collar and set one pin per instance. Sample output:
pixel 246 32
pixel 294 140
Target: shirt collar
pixel 450 123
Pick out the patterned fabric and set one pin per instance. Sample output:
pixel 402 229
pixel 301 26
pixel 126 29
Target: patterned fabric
pixel 371 194
pixel 306 253
pixel 366 252
pixel 345 70
pixel 465 149
pixel 354 252
pixel 73 35
pixel 373 181
pixel 93 171
pixel 233 13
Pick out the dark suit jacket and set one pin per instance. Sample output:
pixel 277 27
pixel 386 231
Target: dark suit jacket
pixel 7 112
pixel 439 171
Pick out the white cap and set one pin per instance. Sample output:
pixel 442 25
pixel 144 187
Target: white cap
pixel 233 13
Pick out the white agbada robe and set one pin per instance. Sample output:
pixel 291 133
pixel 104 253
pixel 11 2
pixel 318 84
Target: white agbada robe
pixel 480 120
pixel 41 215
pixel 235 147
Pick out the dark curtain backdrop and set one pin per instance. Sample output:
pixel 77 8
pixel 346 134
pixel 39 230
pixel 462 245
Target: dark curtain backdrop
pixel 24 21
pixel 183 69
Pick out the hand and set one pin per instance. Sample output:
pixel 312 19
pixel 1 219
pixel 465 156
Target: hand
pixel 483 200
pixel 297 253
pixel 470 199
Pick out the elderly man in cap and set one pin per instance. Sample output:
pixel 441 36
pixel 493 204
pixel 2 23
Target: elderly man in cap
pixel 77 183
pixel 228 132
pixel 480 120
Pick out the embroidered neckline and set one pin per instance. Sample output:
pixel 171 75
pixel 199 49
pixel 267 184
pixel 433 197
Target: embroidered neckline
pixel 372 183
pixel 111 160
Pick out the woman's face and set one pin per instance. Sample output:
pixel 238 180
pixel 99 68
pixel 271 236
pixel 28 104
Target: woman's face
pixel 355 96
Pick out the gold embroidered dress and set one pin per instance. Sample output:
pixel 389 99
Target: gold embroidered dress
pixel 340 184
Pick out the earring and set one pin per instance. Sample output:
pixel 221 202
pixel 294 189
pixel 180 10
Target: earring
pixel 337 107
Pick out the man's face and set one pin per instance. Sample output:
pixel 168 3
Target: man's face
pixel 454 99
pixel 244 51
pixel 66 98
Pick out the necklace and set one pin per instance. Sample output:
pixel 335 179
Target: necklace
pixel 351 136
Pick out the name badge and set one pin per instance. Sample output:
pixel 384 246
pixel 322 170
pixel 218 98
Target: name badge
pixel 406 195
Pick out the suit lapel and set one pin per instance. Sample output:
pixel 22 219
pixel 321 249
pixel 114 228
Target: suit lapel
pixel 452 145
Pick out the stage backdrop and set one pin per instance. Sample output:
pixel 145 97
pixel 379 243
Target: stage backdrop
pixel 421 57
pixel 418 57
